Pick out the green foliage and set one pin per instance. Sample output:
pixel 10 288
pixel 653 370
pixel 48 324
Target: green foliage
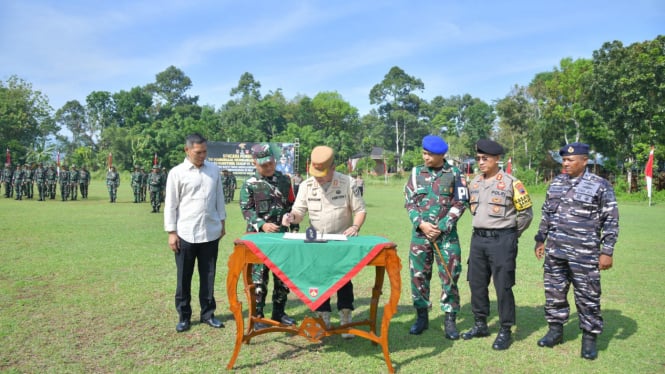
pixel 104 302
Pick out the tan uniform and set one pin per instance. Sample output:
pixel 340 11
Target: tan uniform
pixel 500 203
pixel 331 209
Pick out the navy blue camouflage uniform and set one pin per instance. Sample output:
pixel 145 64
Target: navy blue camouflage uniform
pixel 580 221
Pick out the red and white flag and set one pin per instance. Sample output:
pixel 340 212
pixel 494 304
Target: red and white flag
pixel 154 161
pixel 509 167
pixel 648 173
pixel 8 159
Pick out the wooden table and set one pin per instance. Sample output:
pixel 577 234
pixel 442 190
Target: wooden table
pixel 313 328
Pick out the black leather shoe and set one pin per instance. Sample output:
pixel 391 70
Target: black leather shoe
pixel 479 330
pixel 284 319
pixel 213 322
pixel 182 326
pixel 502 340
pixel 553 337
pixel 589 350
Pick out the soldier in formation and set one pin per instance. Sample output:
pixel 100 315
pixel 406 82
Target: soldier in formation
pixel 84 181
pixel 144 184
pixel 28 182
pixel 7 175
pixel 112 183
pixel 436 195
pixel 135 182
pixel 51 181
pixel 40 179
pixel 155 185
pixel 17 182
pixel 264 199
pixel 63 179
pixel 74 178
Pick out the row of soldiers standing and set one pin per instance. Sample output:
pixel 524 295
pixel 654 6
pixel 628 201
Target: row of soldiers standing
pixel 20 182
pixel 155 181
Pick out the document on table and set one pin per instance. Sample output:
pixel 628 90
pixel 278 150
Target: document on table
pixel 301 236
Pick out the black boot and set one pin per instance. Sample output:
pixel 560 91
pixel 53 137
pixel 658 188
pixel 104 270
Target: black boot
pixel 279 315
pixel 479 330
pixel 422 321
pixel 450 326
pixel 553 337
pixel 589 350
pixel 502 340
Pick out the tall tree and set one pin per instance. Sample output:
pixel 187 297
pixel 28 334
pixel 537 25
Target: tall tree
pixel 393 95
pixel 25 116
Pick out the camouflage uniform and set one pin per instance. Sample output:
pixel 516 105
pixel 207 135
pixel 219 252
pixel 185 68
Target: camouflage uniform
pixel 266 200
pixel 84 182
pixel 51 181
pixel 144 185
pixel 227 182
pixel 17 181
pixel 40 178
pixel 112 183
pixel 28 177
pixel 74 179
pixel 63 179
pixel 7 175
pixel 136 184
pixel 165 175
pixel 580 221
pixel 155 182
pixel 437 197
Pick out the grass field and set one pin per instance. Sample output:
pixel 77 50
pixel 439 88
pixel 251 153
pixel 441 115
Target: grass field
pixel 87 286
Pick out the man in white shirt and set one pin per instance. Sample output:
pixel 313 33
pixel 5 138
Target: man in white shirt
pixel 194 217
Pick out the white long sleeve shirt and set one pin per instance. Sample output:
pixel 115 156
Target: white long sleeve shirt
pixel 194 202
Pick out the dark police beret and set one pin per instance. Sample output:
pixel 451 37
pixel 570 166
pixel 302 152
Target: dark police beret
pixel 574 149
pixel 434 144
pixel 489 147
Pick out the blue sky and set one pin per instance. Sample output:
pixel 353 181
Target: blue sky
pixel 67 49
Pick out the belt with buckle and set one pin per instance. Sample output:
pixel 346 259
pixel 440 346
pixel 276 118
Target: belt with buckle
pixel 490 233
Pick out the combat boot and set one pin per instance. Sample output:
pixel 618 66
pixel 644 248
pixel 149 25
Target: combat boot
pixel 281 317
pixel 325 316
pixel 345 316
pixel 450 326
pixel 589 350
pixel 479 330
pixel 422 321
pixel 502 340
pixel 553 337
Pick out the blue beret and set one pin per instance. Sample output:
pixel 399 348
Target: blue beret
pixel 434 144
pixel 574 149
pixel 489 147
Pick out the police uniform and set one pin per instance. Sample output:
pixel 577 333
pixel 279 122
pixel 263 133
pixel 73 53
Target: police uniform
pixel 502 211
pixel 265 199
pixel 580 221
pixel 331 209
pixel 437 196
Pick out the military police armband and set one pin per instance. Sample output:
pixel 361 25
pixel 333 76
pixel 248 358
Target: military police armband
pixel 540 238
pixel 521 198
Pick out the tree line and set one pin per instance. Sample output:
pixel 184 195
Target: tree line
pixel 614 101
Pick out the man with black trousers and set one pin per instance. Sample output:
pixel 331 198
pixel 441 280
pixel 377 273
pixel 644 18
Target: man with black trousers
pixel 194 216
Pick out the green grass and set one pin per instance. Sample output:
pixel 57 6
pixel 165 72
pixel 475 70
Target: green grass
pixel 87 286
